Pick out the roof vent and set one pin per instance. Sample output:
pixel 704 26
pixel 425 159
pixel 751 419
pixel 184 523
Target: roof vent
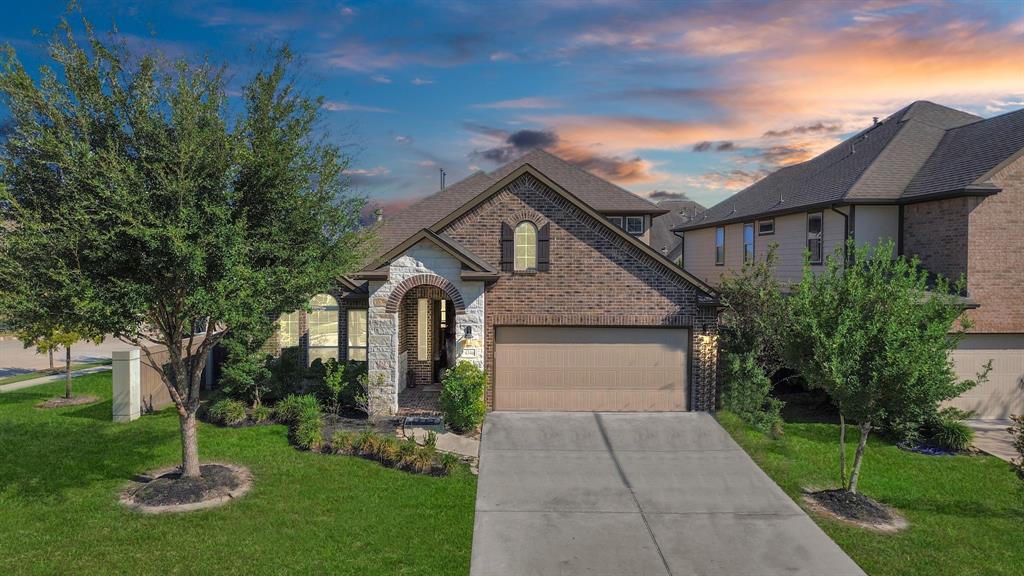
pixel 874 120
pixel 443 174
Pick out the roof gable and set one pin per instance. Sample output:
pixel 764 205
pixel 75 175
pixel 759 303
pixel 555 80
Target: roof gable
pixel 877 164
pixel 600 194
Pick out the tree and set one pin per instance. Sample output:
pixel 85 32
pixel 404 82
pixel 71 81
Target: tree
pixel 754 317
pixel 877 339
pixel 754 324
pixel 58 338
pixel 167 218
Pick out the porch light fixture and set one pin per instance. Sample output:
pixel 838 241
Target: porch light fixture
pixel 469 332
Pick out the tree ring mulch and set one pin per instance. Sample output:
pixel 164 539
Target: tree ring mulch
pixel 855 508
pixel 63 402
pixel 165 490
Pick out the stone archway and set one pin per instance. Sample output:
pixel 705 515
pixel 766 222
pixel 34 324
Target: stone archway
pixel 395 299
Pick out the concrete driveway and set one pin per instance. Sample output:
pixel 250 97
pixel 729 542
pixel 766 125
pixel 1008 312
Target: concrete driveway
pixel 621 494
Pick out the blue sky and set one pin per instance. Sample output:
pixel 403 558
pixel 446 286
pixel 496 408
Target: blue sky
pixel 695 98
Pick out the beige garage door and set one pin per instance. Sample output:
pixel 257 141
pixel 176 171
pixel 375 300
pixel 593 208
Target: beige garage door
pixel 1003 394
pixel 590 369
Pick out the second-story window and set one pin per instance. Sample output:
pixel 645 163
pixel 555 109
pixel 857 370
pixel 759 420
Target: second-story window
pixel 748 242
pixel 635 225
pixel 719 246
pixel 814 236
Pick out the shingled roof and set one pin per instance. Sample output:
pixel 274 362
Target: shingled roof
pixel 679 212
pixel 920 150
pixel 601 195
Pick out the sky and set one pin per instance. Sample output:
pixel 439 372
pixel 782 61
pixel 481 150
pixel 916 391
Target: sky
pixel 662 98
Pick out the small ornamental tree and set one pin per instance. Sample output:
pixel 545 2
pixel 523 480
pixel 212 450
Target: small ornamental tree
pixel 57 338
pixel 876 338
pixel 167 216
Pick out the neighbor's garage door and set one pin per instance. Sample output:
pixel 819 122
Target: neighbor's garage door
pixel 1003 394
pixel 590 369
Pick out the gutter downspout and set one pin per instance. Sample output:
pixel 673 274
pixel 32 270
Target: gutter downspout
pixel 682 246
pixel 846 235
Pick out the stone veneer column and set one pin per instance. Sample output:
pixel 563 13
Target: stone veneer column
pixel 127 394
pixel 423 258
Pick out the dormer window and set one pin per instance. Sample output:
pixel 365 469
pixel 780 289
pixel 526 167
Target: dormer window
pixel 635 225
pixel 525 247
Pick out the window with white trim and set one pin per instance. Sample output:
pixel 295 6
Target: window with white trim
pixel 748 242
pixel 719 246
pixel 288 330
pixel 525 247
pixel 765 227
pixel 423 329
pixel 635 225
pixel 815 234
pixel 357 335
pixel 616 220
pixel 323 328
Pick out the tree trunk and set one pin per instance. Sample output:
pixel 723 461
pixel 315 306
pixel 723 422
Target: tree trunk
pixel 842 450
pixel 67 371
pixel 189 446
pixel 51 359
pixel 865 429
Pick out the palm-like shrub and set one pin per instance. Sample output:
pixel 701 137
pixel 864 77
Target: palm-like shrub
pixel 228 412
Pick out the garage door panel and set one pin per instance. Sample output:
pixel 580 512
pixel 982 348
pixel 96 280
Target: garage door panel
pixel 601 369
pixel 1003 393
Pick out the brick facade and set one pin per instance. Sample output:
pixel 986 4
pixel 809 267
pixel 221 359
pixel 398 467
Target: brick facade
pixel 408 339
pixel 981 238
pixel 596 278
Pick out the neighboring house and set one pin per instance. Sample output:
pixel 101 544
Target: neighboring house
pixel 944 185
pixel 663 237
pixel 540 273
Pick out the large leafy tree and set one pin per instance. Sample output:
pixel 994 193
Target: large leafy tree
pixel 161 211
pixel 876 334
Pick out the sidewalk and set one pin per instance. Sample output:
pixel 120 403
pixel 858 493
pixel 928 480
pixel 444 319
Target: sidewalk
pixel 47 379
pixel 992 436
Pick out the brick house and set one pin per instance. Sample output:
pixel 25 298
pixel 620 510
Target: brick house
pixel 944 185
pixel 541 274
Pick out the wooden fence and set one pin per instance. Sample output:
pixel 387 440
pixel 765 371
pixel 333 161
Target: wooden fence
pixel 153 392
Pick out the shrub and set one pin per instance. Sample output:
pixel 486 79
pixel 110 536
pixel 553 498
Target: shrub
pixel 308 430
pixel 1017 431
pixel 462 396
pixel 420 461
pixel 362 440
pixel 431 441
pixel 341 442
pixel 260 413
pixel 449 462
pixel 387 450
pixel 228 412
pixel 288 410
pixel 371 445
pixel 950 434
pixel 341 385
pixel 747 393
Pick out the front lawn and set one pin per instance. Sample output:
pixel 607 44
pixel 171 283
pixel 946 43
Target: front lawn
pixel 61 470
pixel 965 512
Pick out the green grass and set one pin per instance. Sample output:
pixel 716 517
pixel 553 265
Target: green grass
pixel 48 372
pixel 966 513
pixel 61 471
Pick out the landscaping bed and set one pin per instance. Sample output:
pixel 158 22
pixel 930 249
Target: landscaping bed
pixel 167 491
pixel 963 512
pixel 63 470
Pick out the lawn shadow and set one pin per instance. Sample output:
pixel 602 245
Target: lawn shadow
pixel 7 372
pixel 808 408
pixel 102 411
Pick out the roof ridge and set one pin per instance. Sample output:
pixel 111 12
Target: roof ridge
pixel 581 170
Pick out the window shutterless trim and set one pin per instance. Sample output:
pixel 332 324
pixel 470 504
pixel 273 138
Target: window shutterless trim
pixel 720 248
pixel 632 219
pixel 820 238
pixel 771 230
pixel 749 256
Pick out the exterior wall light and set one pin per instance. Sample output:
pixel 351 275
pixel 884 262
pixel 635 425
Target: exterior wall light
pixel 469 332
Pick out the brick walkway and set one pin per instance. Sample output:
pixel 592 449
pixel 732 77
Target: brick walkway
pixel 419 401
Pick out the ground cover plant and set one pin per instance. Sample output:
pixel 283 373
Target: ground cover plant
pixel 62 471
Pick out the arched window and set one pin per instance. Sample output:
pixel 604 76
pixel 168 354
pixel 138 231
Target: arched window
pixel 323 328
pixel 288 330
pixel 526 246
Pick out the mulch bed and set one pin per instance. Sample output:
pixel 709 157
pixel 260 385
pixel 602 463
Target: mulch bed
pixel 166 491
pixel 855 508
pixel 65 402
